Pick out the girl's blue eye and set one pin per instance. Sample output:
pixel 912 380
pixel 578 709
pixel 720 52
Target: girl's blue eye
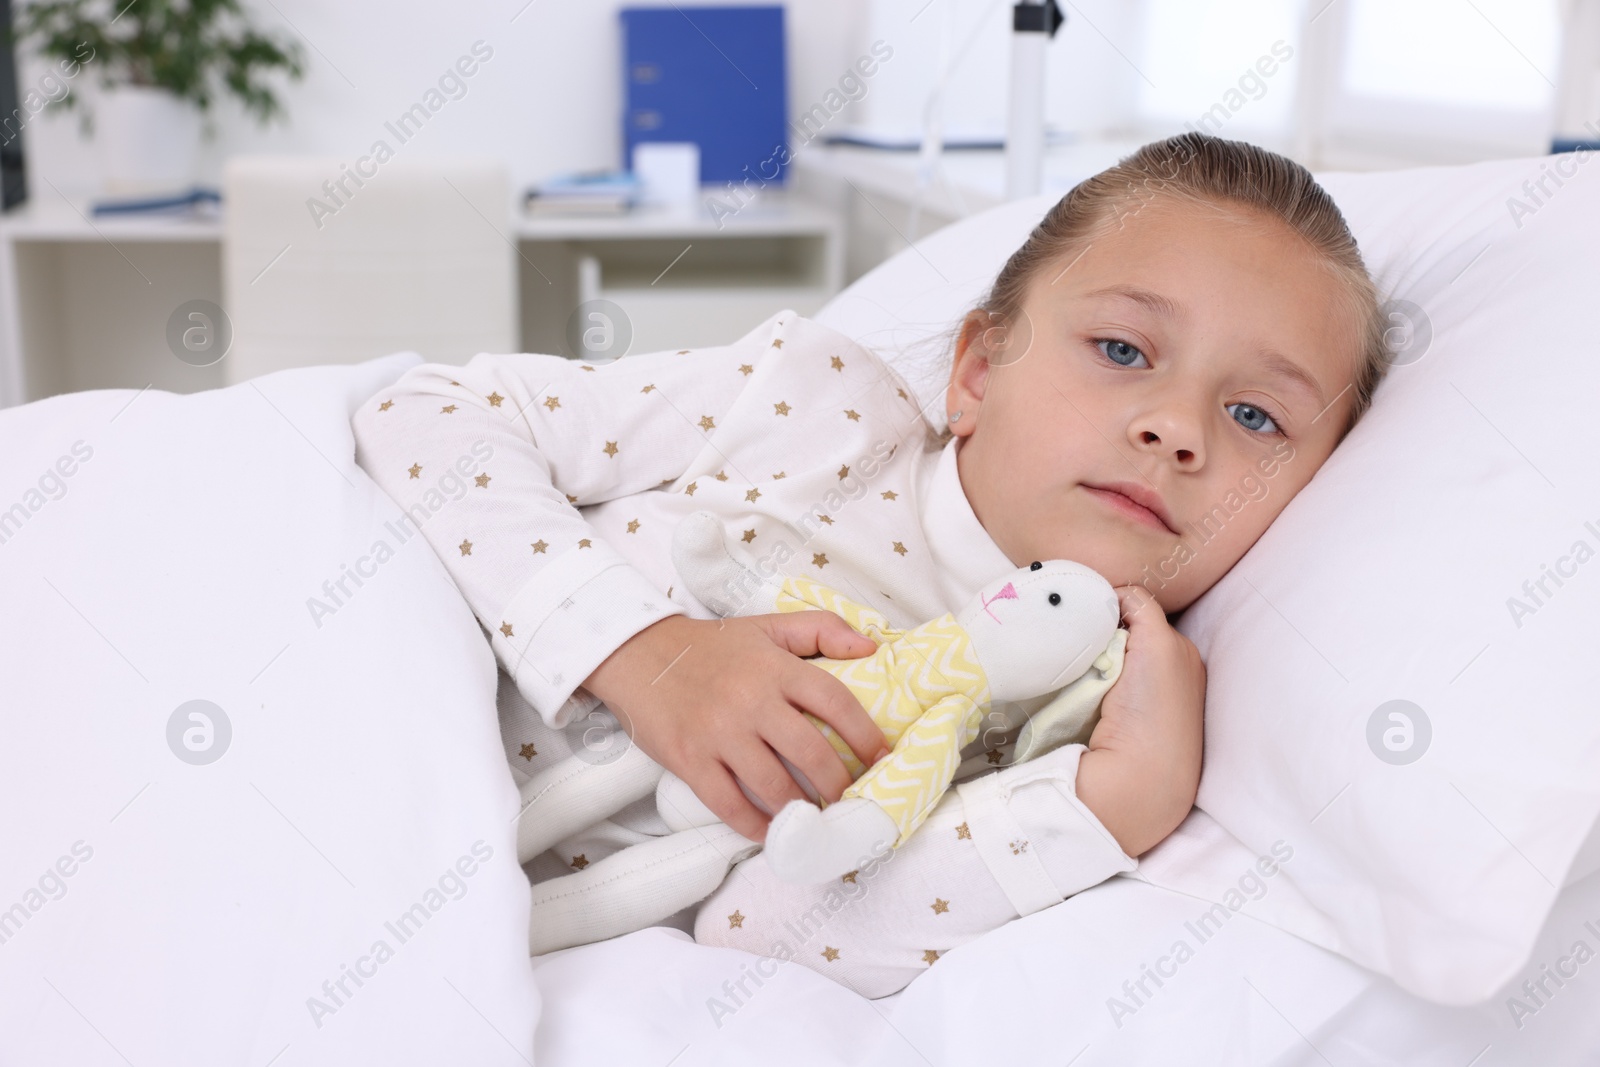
pixel 1119 352
pixel 1252 418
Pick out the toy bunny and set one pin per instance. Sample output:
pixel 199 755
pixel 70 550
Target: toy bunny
pixel 928 688
pixel 1025 635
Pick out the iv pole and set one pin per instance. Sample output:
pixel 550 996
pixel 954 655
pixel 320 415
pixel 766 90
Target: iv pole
pixel 1033 24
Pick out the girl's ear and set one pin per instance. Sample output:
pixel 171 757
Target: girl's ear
pixel 969 371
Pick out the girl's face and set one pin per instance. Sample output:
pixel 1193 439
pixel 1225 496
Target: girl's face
pixel 1162 397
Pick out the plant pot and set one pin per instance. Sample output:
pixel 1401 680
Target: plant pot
pixel 149 140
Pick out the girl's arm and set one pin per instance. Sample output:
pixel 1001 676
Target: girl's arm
pixel 491 461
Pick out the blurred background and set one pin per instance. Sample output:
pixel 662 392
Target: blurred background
pixel 200 192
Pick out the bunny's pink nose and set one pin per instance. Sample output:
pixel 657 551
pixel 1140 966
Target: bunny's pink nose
pixel 1009 592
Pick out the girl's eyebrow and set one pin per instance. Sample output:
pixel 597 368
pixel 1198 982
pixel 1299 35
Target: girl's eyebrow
pixel 1286 368
pixel 1149 299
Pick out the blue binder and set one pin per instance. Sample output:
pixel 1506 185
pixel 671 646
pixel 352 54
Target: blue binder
pixel 715 76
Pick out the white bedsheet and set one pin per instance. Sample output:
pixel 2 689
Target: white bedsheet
pixel 1039 991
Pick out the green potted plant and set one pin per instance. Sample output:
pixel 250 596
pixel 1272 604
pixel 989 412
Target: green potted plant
pixel 161 66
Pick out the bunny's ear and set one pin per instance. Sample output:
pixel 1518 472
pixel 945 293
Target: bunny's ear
pixel 710 570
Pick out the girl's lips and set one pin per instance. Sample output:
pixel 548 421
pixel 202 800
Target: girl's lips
pixel 1127 507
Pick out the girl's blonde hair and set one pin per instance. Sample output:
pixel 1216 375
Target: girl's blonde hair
pixel 1209 171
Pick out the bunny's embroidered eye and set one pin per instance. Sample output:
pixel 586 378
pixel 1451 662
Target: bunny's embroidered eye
pixel 1055 598
pixel 1035 565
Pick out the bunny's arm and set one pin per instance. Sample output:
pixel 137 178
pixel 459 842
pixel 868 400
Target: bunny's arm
pixel 803 594
pixel 910 781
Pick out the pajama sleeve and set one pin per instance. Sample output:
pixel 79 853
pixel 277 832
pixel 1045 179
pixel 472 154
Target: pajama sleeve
pixel 492 460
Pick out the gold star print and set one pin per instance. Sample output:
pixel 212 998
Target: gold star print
pixel 415 470
pixel 540 545
pixel 994 755
pixel 830 953
pixel 552 402
pixel 929 956
pixel 902 393
pixel 752 495
pixel 494 398
pixel 448 409
pixel 580 861
pixel 852 414
pixel 633 525
pixel 721 476
pixel 386 405
pixel 844 472
pixel 736 919
pixel 826 519
pixel 455 383
pixel 838 364
pixel 482 480
pixel 691 487
pixel 819 559
pixel 962 833
pixel 683 352
pixel 777 342
pixel 781 407
pixel 749 535
pixel 707 422
pixel 527 752
pixel 939 906
pixel 588 367
pixel 505 628
pixel 1018 847
pixel 611 448
pixel 745 369
pixel 898 547
pixel 466 548
pixel 890 494
pixel 647 388
pixel 571 499
pixel 780 474
pixel 849 876
pixel 585 543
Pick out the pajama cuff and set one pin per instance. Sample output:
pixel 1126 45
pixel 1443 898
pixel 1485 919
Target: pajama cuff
pixel 582 606
pixel 1038 849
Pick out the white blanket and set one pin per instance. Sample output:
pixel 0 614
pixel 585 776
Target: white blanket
pixel 157 909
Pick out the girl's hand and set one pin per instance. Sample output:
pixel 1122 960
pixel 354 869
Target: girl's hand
pixel 1142 770
pixel 718 700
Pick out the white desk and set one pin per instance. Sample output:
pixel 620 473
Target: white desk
pixel 84 302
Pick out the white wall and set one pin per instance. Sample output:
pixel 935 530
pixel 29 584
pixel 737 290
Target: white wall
pixel 548 100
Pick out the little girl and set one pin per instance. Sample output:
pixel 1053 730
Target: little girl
pixel 1187 326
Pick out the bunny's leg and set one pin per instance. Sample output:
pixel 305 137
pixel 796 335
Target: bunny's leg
pixel 633 888
pixel 573 794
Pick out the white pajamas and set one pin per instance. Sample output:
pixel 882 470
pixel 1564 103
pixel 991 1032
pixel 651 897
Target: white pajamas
pixel 550 489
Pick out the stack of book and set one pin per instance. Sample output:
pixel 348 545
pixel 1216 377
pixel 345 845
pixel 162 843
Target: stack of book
pixel 600 193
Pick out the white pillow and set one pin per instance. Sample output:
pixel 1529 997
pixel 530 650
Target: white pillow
pixel 1395 576
pixel 183 912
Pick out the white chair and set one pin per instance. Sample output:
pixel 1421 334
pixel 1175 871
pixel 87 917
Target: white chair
pixel 325 261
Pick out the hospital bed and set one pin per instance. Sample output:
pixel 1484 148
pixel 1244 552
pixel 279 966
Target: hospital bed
pixel 241 830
